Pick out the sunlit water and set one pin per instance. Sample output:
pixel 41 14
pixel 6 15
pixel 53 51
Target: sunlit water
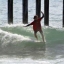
pixel 55 11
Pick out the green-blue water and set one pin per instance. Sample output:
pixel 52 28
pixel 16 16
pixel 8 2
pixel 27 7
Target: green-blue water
pixel 20 41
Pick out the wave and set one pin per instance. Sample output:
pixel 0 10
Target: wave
pixel 16 39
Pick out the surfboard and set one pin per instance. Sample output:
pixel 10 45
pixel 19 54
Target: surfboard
pixel 39 41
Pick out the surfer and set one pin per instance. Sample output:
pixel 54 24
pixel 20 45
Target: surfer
pixel 37 26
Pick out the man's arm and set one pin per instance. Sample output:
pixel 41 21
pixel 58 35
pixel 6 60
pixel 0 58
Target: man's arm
pixel 29 24
pixel 42 14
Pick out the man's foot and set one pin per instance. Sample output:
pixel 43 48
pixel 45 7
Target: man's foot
pixel 44 41
pixel 37 41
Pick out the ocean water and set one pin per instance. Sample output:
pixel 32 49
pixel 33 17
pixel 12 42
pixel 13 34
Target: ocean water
pixel 17 43
pixel 55 12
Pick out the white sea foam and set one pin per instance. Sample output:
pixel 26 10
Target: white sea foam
pixel 8 37
pixel 12 60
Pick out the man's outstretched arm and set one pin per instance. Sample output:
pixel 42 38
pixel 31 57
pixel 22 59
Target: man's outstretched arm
pixel 42 14
pixel 29 24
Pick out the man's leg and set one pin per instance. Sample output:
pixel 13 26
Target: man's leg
pixel 41 32
pixel 35 32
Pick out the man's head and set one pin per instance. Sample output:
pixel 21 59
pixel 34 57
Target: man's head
pixel 35 17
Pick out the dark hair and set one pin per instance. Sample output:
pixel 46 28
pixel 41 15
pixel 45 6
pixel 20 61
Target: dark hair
pixel 35 16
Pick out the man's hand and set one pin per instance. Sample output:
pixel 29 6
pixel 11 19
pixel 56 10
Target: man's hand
pixel 42 14
pixel 24 26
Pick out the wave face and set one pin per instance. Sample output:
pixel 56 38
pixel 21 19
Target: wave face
pixel 15 39
pixel 18 40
